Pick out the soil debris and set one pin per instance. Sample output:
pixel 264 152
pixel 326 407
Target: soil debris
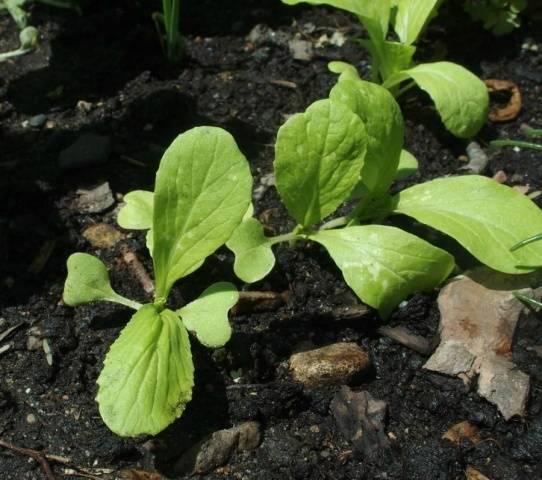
pixel 102 235
pixel 138 270
pixel 94 199
pixel 334 364
pixel 479 314
pixel 512 109
pixel 258 302
pixel 473 474
pixel 360 419
pixel 405 337
pixel 216 450
pixel 462 430
pixel 477 159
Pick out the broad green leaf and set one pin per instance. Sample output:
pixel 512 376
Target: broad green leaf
pixel 203 189
pixel 88 281
pixel 374 15
pixel 383 265
pixel 318 158
pixel 136 214
pixel 408 165
pixel 485 217
pixel 411 17
pixel 461 97
pixel 148 374
pixel 207 316
pixel 384 125
pixel 254 258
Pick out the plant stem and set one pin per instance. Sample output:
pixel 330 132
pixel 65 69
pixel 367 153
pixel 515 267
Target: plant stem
pixel 404 89
pixel 531 132
pixel 515 143
pixel 336 222
pixel 287 237
pixel 534 238
pixel 125 301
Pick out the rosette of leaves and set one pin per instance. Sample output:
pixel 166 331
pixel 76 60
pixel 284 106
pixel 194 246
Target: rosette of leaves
pixel 350 147
pixel 202 191
pixel 460 97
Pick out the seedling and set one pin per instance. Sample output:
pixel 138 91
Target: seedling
pixel 28 38
pixel 499 16
pixel 202 191
pixel 167 24
pixel 460 97
pixel 533 302
pixel 349 147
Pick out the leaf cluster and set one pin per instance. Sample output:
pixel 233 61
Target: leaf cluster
pixel 202 191
pixel 460 97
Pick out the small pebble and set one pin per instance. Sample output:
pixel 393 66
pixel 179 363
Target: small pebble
pixel 37 121
pixel 31 418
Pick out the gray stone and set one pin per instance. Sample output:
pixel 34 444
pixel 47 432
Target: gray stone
pixel 335 364
pixel 89 149
pixel 217 449
pixel 95 199
pixel 37 121
pixel 301 49
pixel 360 418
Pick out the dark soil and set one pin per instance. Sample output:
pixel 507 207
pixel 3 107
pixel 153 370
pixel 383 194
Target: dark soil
pixel 111 58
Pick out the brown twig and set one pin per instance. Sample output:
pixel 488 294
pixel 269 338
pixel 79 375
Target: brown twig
pixel 254 302
pixel 137 268
pixel 37 456
pixel 403 336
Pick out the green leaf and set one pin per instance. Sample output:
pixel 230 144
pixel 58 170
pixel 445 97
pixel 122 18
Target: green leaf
pixel 148 374
pixel 88 281
pixel 137 212
pixel 485 217
pixel 207 316
pixel 344 69
pixel 384 125
pixel 411 17
pixel 318 159
pixel 408 165
pixel 254 258
pixel 203 189
pixel 383 265
pixel 461 97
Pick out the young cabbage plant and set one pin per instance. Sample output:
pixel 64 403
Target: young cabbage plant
pixel 350 147
pixel 460 97
pixel 203 188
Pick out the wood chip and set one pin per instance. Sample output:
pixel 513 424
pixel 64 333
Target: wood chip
pixel 473 474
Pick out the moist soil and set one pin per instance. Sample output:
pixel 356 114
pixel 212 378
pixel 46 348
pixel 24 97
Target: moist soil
pixel 110 57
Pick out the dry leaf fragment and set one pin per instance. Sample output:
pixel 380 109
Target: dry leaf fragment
pixel 512 109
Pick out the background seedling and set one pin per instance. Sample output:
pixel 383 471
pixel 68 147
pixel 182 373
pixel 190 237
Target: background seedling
pixel 460 97
pixel 167 24
pixel 202 191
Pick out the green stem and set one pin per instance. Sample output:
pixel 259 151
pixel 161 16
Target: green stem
pixel 531 132
pixel 532 239
pixel 125 301
pixel 515 143
pixel 336 222
pixel 14 53
pixel 528 300
pixel 287 237
pixel 404 89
